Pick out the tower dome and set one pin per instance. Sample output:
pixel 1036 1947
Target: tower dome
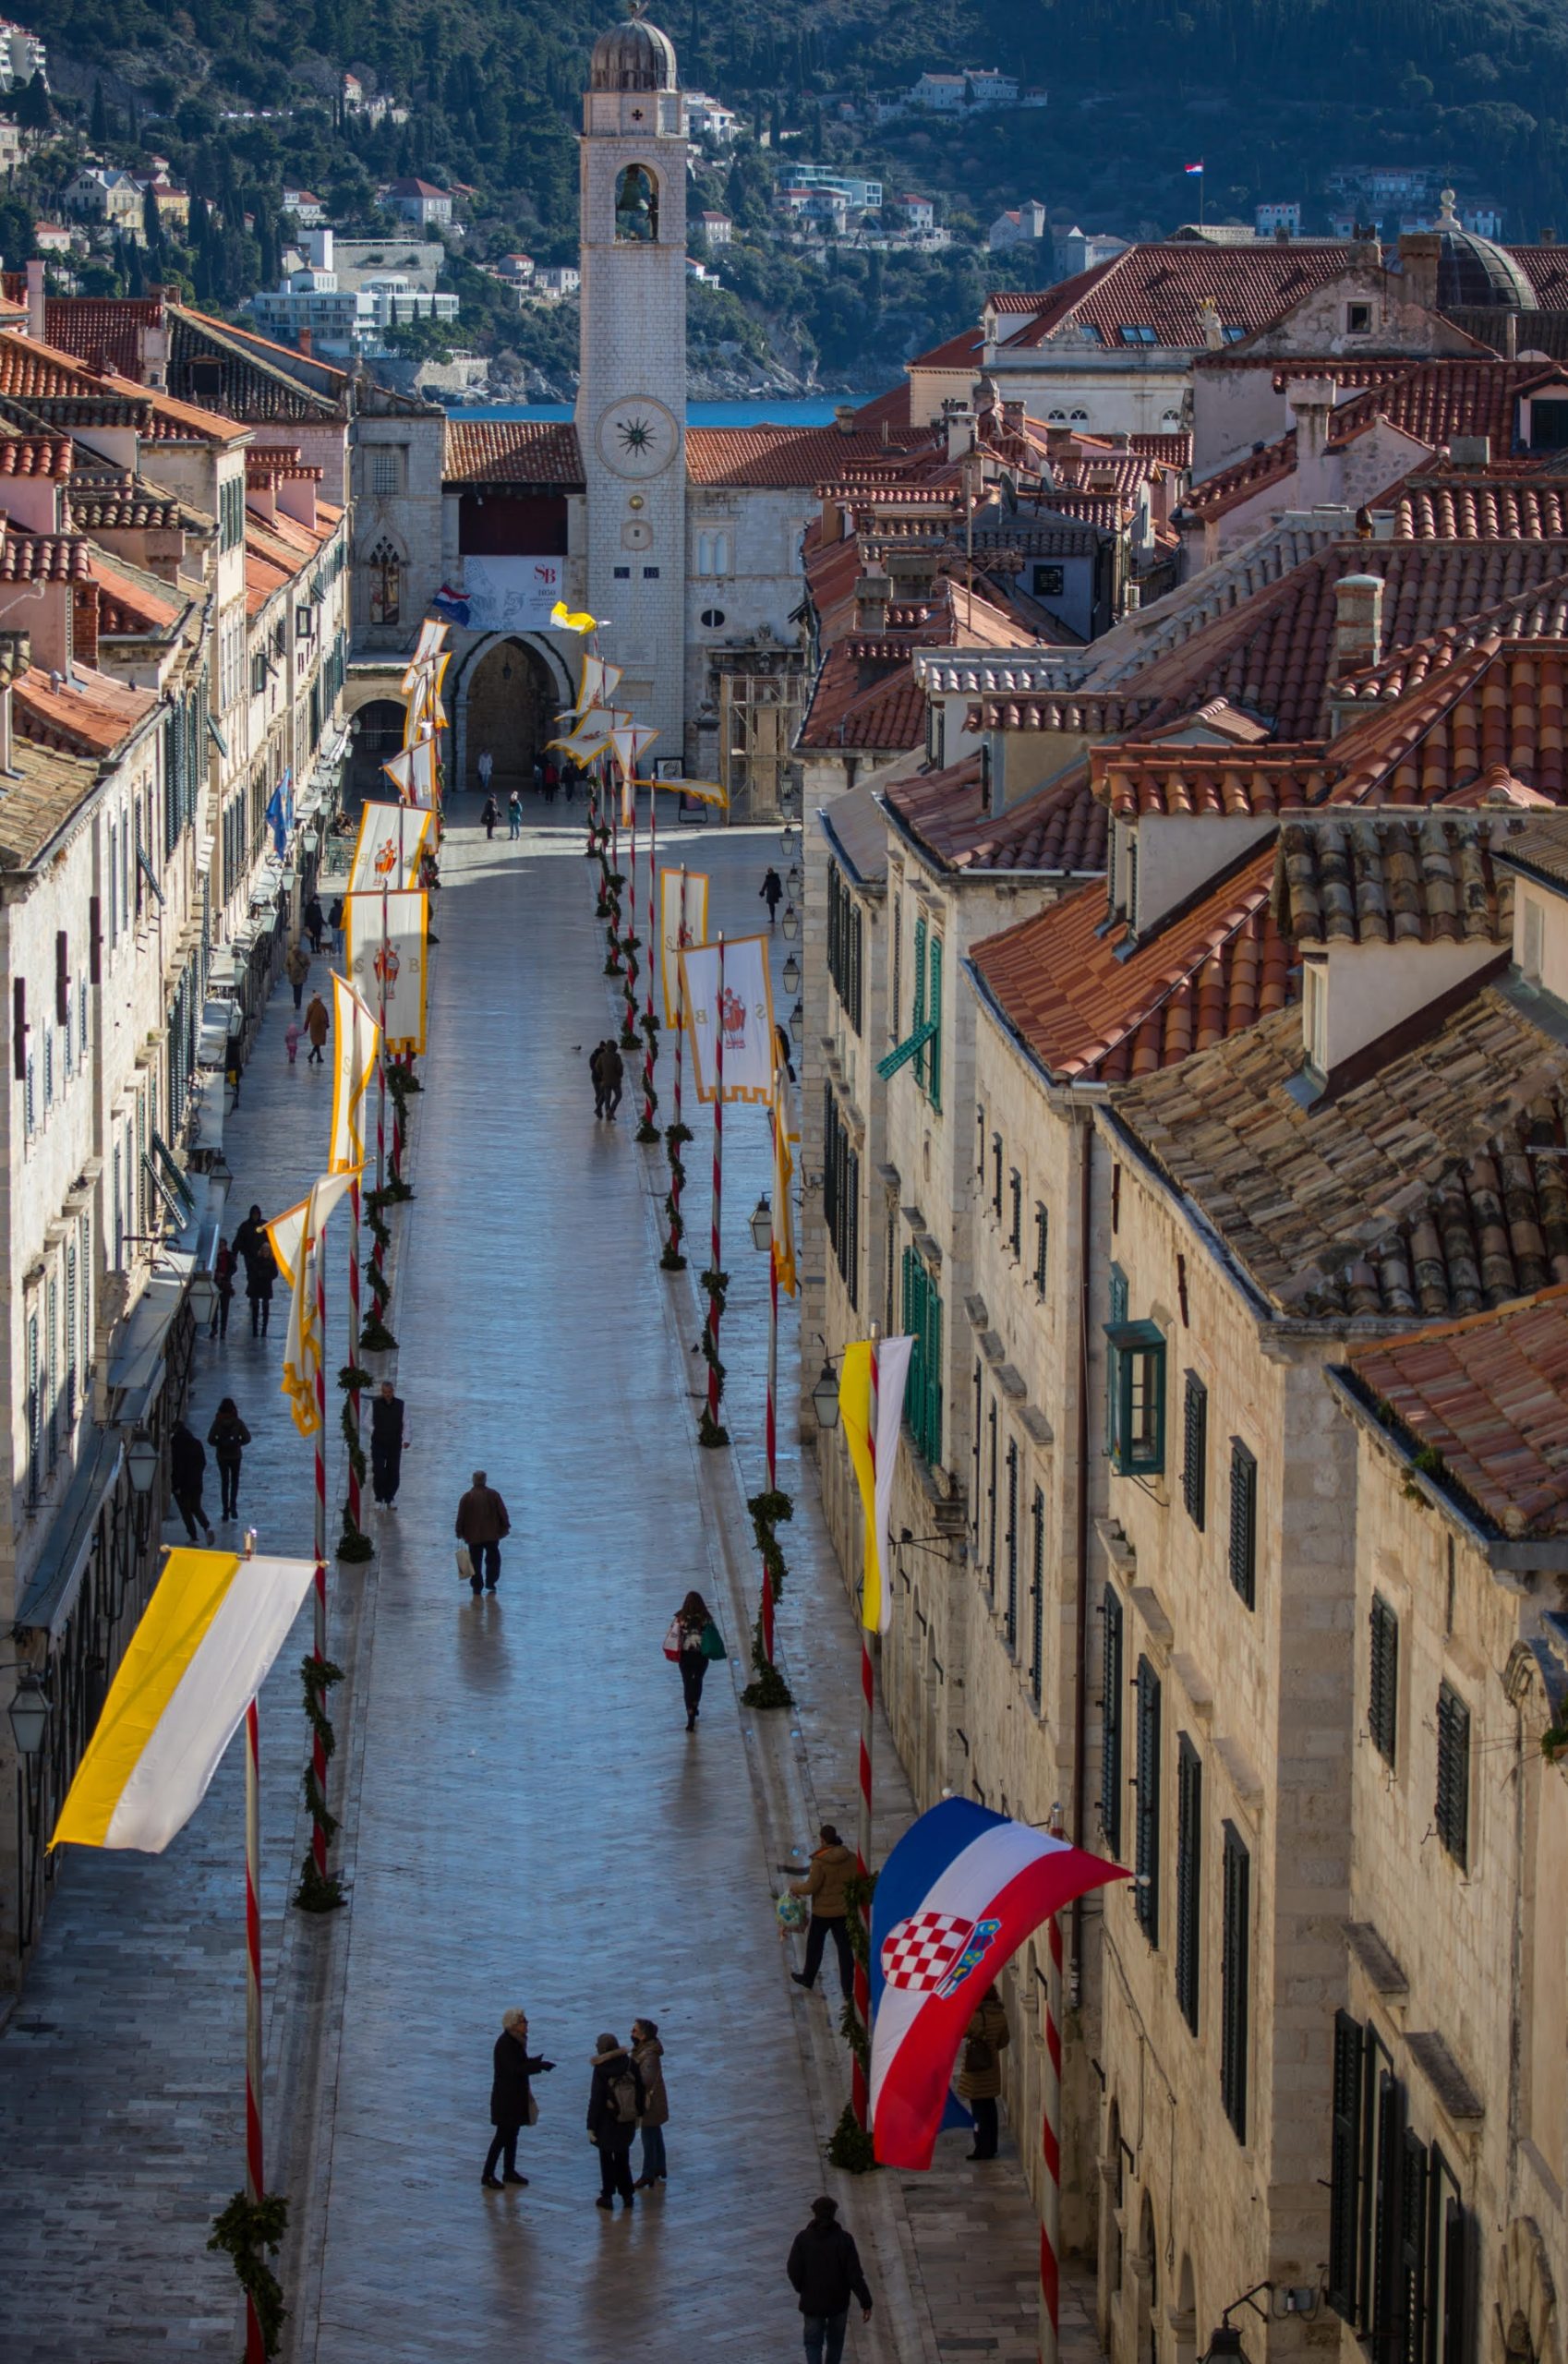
pixel 633 57
pixel 1473 270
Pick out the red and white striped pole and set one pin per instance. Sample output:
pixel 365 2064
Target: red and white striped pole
pixel 630 1021
pixel 354 1417
pixel 654 948
pixel 717 1186
pixel 254 2184
pixel 318 1746
pixel 675 1167
pixel 772 1421
pixel 1051 2138
pixel 861 2093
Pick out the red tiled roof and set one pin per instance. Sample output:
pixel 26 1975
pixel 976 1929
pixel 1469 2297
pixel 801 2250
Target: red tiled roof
pixel 92 719
pixel 43 558
pixel 127 606
pixel 1480 509
pixel 788 456
pixel 1162 287
pixel 893 406
pixel 1060 827
pixel 1491 1395
pixel 1393 876
pixel 1497 706
pixel 512 450
pixel 1539 614
pixel 1176 449
pixel 1132 777
pixel 105 332
pixel 35 455
pixel 1092 1010
pixel 1438 400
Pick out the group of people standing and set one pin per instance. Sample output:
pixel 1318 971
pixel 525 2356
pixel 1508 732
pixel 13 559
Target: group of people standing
pixel 626 2097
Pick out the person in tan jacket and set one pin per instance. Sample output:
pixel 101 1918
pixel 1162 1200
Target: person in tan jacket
pixel 316 1025
pixel 980 2072
pixel 827 1883
pixel 297 967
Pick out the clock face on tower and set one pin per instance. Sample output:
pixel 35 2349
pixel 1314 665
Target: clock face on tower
pixel 637 437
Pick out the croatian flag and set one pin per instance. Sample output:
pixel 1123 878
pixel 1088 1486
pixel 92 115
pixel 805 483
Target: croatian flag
pixel 960 1892
pixel 1191 168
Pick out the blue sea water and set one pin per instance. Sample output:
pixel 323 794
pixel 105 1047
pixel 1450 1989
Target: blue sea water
pixel 814 410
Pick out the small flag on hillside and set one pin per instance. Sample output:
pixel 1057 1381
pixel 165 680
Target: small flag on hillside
pixel 1192 168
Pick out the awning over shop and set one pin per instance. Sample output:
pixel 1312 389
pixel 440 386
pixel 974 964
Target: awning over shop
pixel 138 1352
pixel 49 1592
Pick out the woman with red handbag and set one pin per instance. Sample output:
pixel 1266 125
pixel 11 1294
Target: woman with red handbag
pixel 692 1641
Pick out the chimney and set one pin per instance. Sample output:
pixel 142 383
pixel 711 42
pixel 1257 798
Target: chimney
pixel 1311 403
pixel 16 653
pixel 1013 417
pixel 1358 642
pixel 304 342
pixel 960 421
pixel 1470 450
pixel 871 594
pixel 84 623
pixel 1420 251
pixel 844 417
pixel 296 496
pixel 35 317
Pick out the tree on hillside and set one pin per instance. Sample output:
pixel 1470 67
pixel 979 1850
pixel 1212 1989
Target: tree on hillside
pixel 98 122
pixel 34 109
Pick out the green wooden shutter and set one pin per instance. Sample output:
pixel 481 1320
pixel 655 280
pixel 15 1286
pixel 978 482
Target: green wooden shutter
pixel 1454 1774
pixel 991 1497
pixel 1037 1601
pixel 1412 2294
pixel 1012 1546
pixel 1382 1706
pixel 1243 1522
pixel 1111 1722
pixel 1041 1246
pixel 933 1049
pixel 1189 1863
pixel 917 1016
pixel 1344 2165
pixel 1195 1450
pixel 1146 1851
pixel 1236 1970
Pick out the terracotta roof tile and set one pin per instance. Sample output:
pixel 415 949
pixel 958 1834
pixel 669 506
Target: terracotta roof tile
pixel 512 450
pixel 1482 509
pixel 43 558
pixel 788 456
pixel 103 503
pixel 1059 829
pixel 1176 449
pixel 127 604
pixel 1412 1193
pixel 36 456
pixel 1392 877
pixel 1094 1006
pixel 1133 778
pixel 105 332
pixel 1539 614
pixel 1163 285
pixel 93 717
pixel 1491 1395
pixel 47 786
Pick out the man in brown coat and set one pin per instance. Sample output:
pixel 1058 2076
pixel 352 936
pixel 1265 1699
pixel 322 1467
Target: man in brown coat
pixel 482 1522
pixel 825 1884
pixel 297 967
pixel 317 1023
pixel 979 2069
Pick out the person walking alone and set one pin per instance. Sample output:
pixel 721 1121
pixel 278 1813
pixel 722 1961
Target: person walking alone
pixel 334 921
pixel 316 1025
pixel 297 967
pixel 490 815
pixel 827 1885
pixel 825 2272
pixel 483 1525
pixel 315 922
pixel 515 813
pixel 228 1437
pixel 187 1470
pixel 223 1268
pixel 615 2103
pixel 611 1076
pixel 511 2103
pixel 684 1643
pixel 486 766
pixel 387 1440
pixel 979 2069
pixel 648 2052
pixel 261 1272
pixel 772 893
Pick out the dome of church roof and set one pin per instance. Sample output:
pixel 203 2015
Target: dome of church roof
pixel 1471 270
pixel 633 57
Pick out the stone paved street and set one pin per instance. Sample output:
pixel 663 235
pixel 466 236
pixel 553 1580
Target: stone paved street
pixel 527 1820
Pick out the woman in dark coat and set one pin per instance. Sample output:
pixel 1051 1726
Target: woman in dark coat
pixel 386 1443
pixel 251 1230
pixel 261 1272
pixel 223 1270
pixel 228 1437
pixel 187 1467
pixel 509 2097
pixel 684 1643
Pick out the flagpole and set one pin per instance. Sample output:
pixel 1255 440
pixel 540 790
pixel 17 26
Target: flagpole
pixel 718 1190
pixel 676 1168
pixel 628 1022
pixel 255 2183
pixel 318 1744
pixel 772 1420
pixel 1051 2139
pixel 649 1130
pixel 354 1414
pixel 861 2095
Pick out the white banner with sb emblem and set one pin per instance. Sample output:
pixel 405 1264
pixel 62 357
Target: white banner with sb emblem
pixel 392 962
pixel 744 1005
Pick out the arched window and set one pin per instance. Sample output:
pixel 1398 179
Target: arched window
pixel 713 553
pixel 386 584
pixel 637 205
pixel 1058 419
pixel 1170 419
pixel 1081 419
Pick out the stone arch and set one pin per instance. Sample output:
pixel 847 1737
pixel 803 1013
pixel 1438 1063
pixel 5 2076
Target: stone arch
pixel 377 733
pixel 637 205
pixel 510 688
pixel 1527 2330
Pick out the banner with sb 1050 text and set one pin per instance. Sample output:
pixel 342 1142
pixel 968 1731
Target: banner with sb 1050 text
pixel 392 965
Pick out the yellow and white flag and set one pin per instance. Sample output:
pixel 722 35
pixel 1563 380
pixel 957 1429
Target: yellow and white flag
pixel 705 792
pixel 204 1647
pixel 296 1240
pixel 429 646
pixel 567 619
pixel 628 743
pixel 415 772
pixel 745 1009
pixel 387 851
pixel 874 1472
pixel 356 1039
pixel 786 1129
pixel 389 972
pixel 679 924
pixel 424 714
pixel 599 684
pixel 592 734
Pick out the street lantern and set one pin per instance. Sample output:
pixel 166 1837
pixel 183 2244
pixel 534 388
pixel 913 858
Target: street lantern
pixel 791 922
pixel 204 1295
pixel 29 1712
pixel 794 882
pixel 825 1399
pixel 141 1462
pixel 309 842
pixel 761 1225
pixel 791 975
pixel 797 1022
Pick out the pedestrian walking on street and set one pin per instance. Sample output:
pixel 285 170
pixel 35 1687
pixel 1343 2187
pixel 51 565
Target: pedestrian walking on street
pixel 251 1231
pixel 228 1437
pixel 291 1040
pixel 315 922
pixel 611 1076
pixel 512 2105
pixel 648 2052
pixel 615 2103
pixel 825 2272
pixel 224 1266
pixel 261 1272
pixel 772 893
pixel 297 967
pixel 552 779
pixel 490 815
pixel 334 921
pixel 825 1884
pixel 187 1470
pixel 687 1643
pixel 515 813
pixel 538 778
pixel 486 766
pixel 387 1441
pixel 316 1024
pixel 979 2070
pixel 483 1525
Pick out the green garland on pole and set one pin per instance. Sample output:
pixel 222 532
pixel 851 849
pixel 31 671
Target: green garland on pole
pixel 246 2228
pixel 851 2147
pixel 710 1431
pixel 647 1129
pixel 672 1260
pixel 316 1894
pixel 769 1510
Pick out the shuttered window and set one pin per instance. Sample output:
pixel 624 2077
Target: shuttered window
pixel 1195 1450
pixel 1146 1857
pixel 1042 1245
pixel 1382 1704
pixel 1037 1599
pixel 1411 2296
pixel 1014 1229
pixel 917 1015
pixel 1012 1547
pixel 1111 1723
pixel 1235 1972
pixel 1453 1775
pixel 996 1173
pixel 1243 1522
pixel 923 1324
pixel 1189 1868
pixel 991 1497
pixel 932 1054
pixel 1344 2166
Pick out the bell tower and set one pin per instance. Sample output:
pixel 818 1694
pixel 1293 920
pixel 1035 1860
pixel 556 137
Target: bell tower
pixel 631 390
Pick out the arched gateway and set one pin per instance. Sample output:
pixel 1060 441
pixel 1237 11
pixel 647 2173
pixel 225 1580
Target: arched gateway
pixel 509 696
